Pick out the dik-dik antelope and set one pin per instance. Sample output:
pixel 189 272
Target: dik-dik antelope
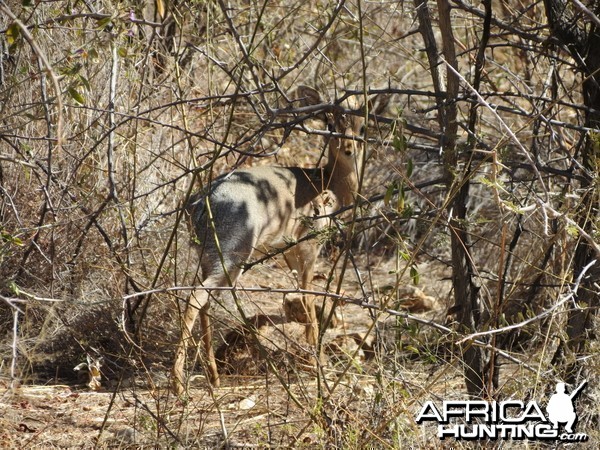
pixel 265 208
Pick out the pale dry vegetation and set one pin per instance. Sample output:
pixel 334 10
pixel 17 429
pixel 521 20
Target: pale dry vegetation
pixel 113 113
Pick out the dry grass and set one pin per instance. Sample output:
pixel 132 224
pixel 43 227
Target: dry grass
pixel 90 195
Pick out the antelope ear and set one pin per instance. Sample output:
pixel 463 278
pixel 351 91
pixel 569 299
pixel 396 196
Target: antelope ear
pixel 308 96
pixel 379 103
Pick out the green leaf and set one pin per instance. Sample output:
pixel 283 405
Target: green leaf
pixel 85 83
pixel 76 95
pixel 401 198
pixel 572 231
pixel 71 69
pixel 7 237
pixel 13 32
pixel 14 288
pixel 414 274
pixel 409 167
pixel 413 349
pixel 389 193
pixel 103 23
pixel 404 255
pixel 399 143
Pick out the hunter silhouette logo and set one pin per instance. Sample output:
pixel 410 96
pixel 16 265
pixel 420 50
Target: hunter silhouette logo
pixel 560 407
pixel 508 419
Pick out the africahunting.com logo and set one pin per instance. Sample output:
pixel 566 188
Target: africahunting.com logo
pixel 510 419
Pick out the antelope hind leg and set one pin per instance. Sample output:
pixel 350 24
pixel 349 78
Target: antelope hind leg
pixel 301 258
pixel 207 334
pixel 198 304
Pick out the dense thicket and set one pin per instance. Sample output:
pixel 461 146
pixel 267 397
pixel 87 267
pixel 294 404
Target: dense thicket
pixel 485 166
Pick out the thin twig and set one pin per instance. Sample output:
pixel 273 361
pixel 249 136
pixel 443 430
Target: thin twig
pixel 570 296
pixel 364 303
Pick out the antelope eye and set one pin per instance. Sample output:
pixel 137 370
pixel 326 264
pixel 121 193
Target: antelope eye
pixel 363 128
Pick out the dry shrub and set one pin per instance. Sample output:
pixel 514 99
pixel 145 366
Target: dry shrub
pixel 90 195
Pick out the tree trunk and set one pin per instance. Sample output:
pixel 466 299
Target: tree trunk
pixel 466 291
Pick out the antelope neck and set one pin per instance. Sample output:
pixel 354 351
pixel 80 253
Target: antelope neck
pixel 341 180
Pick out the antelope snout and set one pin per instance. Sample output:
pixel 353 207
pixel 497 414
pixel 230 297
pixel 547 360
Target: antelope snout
pixel 348 148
